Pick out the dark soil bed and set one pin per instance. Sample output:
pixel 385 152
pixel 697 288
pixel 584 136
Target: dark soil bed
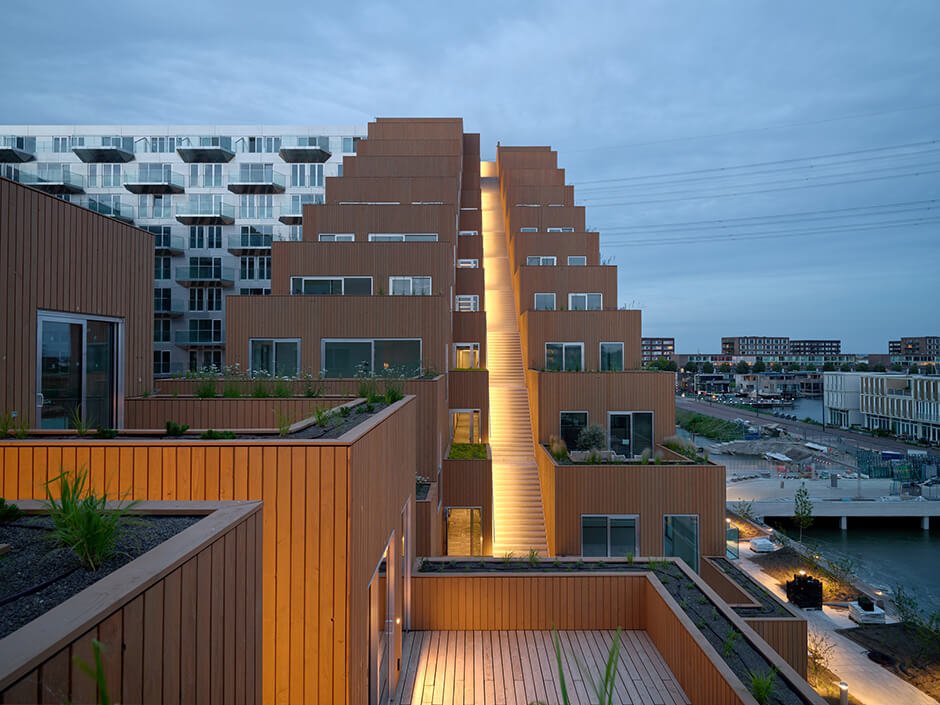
pixel 34 559
pixel 912 654
pixel 742 657
pixel 769 606
pixel 785 562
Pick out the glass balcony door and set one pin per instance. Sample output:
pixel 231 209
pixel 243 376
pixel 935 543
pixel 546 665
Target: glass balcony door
pixel 77 373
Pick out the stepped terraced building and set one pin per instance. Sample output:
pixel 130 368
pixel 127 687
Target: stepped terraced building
pixel 404 446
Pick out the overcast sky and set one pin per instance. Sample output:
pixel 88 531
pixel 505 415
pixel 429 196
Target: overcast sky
pixel 810 130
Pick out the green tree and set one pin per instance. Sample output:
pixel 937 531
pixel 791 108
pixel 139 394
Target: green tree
pixel 725 367
pixel 913 370
pixel 793 367
pixel 829 367
pixel 897 367
pixel 759 366
pixel 861 367
pixel 802 509
pixel 777 367
pixel 663 365
pixel 742 368
pixel 930 369
pixel 878 368
pixel 691 367
pixel 845 367
pixel 708 368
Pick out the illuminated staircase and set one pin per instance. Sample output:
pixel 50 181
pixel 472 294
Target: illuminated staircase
pixel 518 522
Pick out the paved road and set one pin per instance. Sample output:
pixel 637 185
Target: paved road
pixel 797 428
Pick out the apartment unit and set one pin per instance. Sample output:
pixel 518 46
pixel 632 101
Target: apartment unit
pixel 213 197
pixel 815 347
pixel 656 348
pixel 841 404
pixel 905 405
pixel 755 345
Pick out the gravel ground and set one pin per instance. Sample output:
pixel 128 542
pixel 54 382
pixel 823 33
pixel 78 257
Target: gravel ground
pixel 33 559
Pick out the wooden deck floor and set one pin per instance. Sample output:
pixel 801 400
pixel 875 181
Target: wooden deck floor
pixel 510 667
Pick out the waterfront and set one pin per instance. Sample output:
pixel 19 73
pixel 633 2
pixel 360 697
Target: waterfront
pixel 885 553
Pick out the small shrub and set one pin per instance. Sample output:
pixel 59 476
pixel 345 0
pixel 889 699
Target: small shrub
pixel 312 390
pixel 727 647
pixel 645 457
pixel 533 557
pixel 283 424
pixel 369 391
pixel 212 435
pixel 744 509
pixel 205 389
pixel 81 520
pixel 593 457
pixel 508 556
pixel 78 420
pixel 370 408
pixel 762 685
pixel 393 393
pixel 558 448
pixel 281 390
pixel 344 411
pixel 9 511
pixel 819 649
pixel 591 437
pixel 260 390
pixel 630 557
pixel 106 433
pixel 96 672
pixel 321 417
pixel 22 428
pixel 467 451
pixel 231 390
pixel 176 429
pixel 6 423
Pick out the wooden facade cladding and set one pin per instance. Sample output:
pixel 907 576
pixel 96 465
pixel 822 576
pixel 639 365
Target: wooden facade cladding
pixel 563 281
pixel 428 524
pixel 469 389
pixel 530 177
pixel 471 220
pixel 180 624
pixel 470 281
pixel 58 257
pixel 540 157
pixel 597 393
pixel 649 491
pixel 415 128
pixel 470 247
pixel 589 327
pixel 312 318
pixel 469 483
pixel 365 219
pixel 559 245
pixel 547 194
pixel 404 190
pixel 788 639
pixel 394 166
pixel 729 590
pixel 327 507
pixel 220 413
pixel 379 260
pixel 372 147
pixel 470 327
pixel 544 217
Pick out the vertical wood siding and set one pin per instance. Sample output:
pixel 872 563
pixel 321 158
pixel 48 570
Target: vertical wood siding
pixel 469 389
pixel 469 483
pixel 589 327
pixel 206 610
pixel 428 524
pixel 220 413
pixel 787 637
pixel 56 256
pixel 311 497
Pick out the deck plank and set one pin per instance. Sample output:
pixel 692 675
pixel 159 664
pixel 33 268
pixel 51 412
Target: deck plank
pixel 509 667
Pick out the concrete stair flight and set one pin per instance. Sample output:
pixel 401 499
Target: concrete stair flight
pixel 518 521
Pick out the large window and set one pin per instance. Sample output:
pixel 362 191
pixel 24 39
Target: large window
pixel 161 330
pixel 464 531
pixel 567 357
pixel 256 267
pixel 540 261
pixel 205 299
pixel 358 357
pixel 302 175
pixel 161 362
pixel 275 357
pixel 466 356
pixel 409 286
pixel 161 267
pixel 680 537
pixel 570 425
pixel 629 433
pixel 205 175
pixel 337 237
pixel 609 536
pixel 467 302
pixel 465 426
pixel 612 357
pixel 203 237
pixel 327 286
pixel 257 205
pixel 585 302
pixel 577 261
pixel 545 302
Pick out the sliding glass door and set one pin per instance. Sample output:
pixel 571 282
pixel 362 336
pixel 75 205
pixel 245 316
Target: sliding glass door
pixel 77 371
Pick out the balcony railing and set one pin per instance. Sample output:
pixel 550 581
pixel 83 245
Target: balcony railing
pixel 172 308
pixel 305 149
pixel 51 178
pixel 201 338
pixel 206 149
pixel 258 181
pixel 196 274
pixel 159 181
pixel 169 245
pixel 249 243
pixel 202 212
pixel 14 148
pixel 112 209
pixel 104 148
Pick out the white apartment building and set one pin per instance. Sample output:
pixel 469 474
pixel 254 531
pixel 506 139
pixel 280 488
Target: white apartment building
pixel 215 197
pixel 904 405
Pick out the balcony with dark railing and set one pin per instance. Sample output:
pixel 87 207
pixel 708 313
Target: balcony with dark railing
pixel 169 245
pixel 108 149
pixel 113 208
pixel 257 178
pixel 205 274
pixel 200 149
pixel 250 244
pixel 169 308
pixel 305 149
pixel 205 211
pixel 15 149
pixel 58 179
pixel 155 179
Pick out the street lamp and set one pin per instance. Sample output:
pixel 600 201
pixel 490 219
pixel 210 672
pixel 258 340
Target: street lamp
pixel 843 693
